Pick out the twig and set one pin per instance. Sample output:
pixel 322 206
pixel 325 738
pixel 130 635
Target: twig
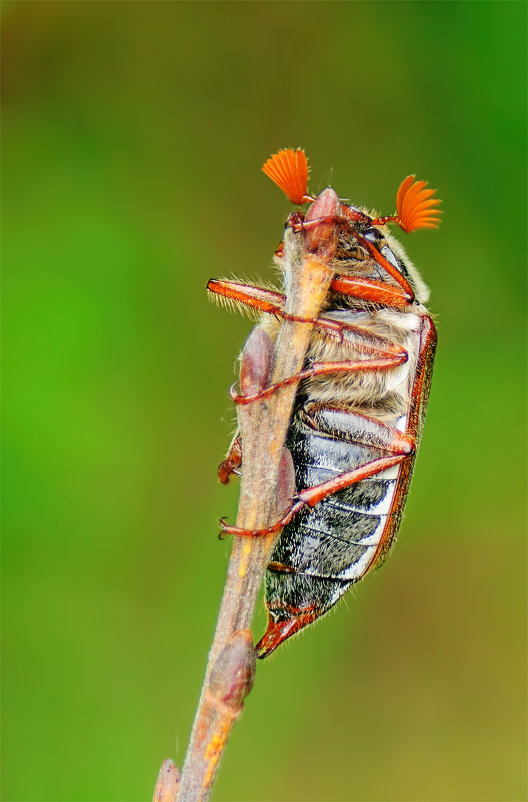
pixel 265 492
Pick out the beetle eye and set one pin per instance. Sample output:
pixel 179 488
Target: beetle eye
pixel 374 236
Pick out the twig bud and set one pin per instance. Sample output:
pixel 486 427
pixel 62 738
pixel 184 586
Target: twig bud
pixel 168 784
pixel 233 674
pixel 285 483
pixel 257 357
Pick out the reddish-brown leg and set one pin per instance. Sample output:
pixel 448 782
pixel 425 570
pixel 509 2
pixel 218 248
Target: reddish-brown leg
pixel 268 302
pixel 256 297
pixel 377 291
pixel 355 427
pixel 314 495
pixel 272 303
pixel 232 462
pixel 321 369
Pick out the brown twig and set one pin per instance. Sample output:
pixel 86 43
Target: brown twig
pixel 265 493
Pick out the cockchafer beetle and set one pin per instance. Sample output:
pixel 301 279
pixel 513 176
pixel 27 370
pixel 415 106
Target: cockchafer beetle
pixel 360 407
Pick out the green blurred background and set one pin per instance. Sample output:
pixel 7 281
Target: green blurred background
pixel 133 134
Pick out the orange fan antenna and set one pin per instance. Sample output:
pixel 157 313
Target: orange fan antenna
pixel 289 170
pixel 415 206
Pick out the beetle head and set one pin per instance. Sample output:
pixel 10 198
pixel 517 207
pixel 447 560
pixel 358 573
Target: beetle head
pixel 415 206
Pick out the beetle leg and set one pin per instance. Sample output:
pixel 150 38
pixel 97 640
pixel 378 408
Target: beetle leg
pixel 364 341
pixel 256 297
pixel 311 496
pixel 386 265
pixel 232 462
pixel 322 368
pixel 355 427
pixel 270 302
pixel 267 301
pixel 376 291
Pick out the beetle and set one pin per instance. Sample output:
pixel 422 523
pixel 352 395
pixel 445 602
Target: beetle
pixel 359 409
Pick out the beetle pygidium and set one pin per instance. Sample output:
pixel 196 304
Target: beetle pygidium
pixel 360 405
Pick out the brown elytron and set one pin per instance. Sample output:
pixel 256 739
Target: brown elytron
pixel 360 404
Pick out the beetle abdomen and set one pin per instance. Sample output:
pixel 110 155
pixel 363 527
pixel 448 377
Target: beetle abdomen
pixel 325 549
pixel 338 537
